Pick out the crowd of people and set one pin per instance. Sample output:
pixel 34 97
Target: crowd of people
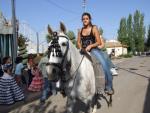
pixel 10 92
pixel 13 84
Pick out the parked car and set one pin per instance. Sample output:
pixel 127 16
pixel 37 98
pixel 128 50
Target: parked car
pixel 148 53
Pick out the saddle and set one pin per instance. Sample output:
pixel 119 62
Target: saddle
pixel 99 73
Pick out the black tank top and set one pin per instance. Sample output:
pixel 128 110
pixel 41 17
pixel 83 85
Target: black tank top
pixel 87 40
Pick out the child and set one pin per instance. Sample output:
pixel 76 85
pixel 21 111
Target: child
pixel 18 70
pixel 37 82
pixel 6 60
pixel 30 64
pixel 9 90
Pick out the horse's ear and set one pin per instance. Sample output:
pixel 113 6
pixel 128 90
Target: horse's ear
pixel 50 31
pixel 62 27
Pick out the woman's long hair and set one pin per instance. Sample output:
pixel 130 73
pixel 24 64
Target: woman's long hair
pixel 87 14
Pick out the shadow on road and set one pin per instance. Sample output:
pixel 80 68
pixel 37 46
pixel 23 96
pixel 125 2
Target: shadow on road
pixel 147 100
pixel 30 96
pixel 80 107
pixel 145 76
pixel 38 108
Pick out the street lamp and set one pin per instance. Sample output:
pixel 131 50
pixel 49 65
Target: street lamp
pixel 84 5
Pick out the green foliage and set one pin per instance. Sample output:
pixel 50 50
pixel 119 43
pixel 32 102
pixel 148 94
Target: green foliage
pixel 126 55
pixel 132 32
pixel 148 39
pixel 22 40
pixel 131 44
pixel 72 36
pixel 139 31
pixel 48 38
pixel 22 51
pixel 122 32
pixel 101 31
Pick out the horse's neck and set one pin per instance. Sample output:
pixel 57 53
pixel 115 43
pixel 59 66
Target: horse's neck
pixel 76 57
pixel 77 60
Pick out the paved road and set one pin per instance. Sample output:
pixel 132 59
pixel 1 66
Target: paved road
pixel 132 91
pixel 132 87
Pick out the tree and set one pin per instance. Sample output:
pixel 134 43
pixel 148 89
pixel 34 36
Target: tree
pixel 48 38
pixel 131 44
pixel 132 32
pixel 71 36
pixel 22 40
pixel 141 33
pixel 122 32
pixel 138 31
pixel 148 39
pixel 22 51
pixel 101 30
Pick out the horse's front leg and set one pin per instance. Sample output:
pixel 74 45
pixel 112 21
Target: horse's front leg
pixel 88 106
pixel 94 104
pixel 94 109
pixel 70 104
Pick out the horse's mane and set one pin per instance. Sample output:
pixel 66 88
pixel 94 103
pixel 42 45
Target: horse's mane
pixel 75 56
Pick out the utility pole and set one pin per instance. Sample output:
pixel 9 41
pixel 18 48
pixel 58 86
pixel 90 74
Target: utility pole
pixel 37 42
pixel 15 44
pixel 84 5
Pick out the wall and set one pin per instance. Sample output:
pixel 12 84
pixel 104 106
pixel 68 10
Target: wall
pixel 118 50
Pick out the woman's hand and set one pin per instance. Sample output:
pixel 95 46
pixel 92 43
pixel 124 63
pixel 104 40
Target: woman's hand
pixel 88 48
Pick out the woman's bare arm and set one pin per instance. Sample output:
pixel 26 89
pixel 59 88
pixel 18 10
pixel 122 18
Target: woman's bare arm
pixel 79 40
pixel 99 40
pixel 102 43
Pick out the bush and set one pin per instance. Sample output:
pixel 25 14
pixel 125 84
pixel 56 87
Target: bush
pixel 126 55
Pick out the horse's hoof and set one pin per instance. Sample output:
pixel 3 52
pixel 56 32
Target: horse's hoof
pixel 63 93
pixel 94 109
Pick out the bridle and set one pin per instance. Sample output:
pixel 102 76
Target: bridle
pixel 64 63
pixel 54 45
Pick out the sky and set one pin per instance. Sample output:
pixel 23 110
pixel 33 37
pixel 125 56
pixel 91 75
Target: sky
pixel 105 13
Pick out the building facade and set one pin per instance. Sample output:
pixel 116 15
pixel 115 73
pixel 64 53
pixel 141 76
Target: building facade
pixel 6 37
pixel 116 47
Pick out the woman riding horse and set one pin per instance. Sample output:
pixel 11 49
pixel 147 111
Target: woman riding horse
pixel 65 61
pixel 89 40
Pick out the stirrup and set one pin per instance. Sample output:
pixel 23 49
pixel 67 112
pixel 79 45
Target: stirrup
pixel 110 92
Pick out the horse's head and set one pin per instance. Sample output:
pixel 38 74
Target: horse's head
pixel 58 54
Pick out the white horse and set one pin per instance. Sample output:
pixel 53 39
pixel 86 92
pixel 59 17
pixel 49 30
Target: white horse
pixel 65 61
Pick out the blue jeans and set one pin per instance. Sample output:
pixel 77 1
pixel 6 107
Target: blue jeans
pixel 111 65
pixel 99 55
pixel 49 87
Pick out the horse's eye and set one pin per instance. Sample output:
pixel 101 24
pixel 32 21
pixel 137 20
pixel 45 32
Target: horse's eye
pixel 64 44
